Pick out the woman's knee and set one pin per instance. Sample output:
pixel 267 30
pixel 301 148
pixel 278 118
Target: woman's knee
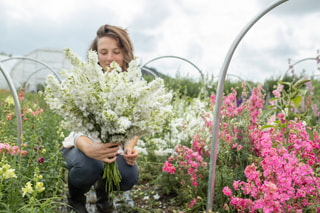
pixel 129 174
pixel 130 179
pixel 86 173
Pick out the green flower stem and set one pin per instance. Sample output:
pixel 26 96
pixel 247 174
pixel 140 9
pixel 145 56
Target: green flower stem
pixel 113 177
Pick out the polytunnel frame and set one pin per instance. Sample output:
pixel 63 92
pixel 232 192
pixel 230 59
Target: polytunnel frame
pixel 149 71
pixel 298 62
pixel 239 77
pixel 14 93
pixel 36 71
pixel 217 109
pixel 183 59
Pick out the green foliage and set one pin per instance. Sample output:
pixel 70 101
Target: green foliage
pixel 193 88
pixel 42 164
pixel 42 136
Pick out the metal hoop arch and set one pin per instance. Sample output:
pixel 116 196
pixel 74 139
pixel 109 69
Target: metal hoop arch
pixel 38 70
pixel 13 90
pixel 217 110
pixel 57 75
pixel 149 71
pixel 16 103
pixel 297 62
pixel 177 57
pixel 237 76
pixel 180 58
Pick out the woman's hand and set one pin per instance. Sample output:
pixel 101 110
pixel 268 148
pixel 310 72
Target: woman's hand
pixel 105 152
pixel 130 155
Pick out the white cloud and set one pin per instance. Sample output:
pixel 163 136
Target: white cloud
pixel 200 31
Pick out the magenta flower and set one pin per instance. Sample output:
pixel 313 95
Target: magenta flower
pixel 40 160
pixel 167 167
pixel 192 203
pixel 227 191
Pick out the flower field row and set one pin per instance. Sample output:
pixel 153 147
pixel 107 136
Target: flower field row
pixel 268 157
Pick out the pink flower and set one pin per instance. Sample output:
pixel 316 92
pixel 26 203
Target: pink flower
pixel 15 150
pixel 21 97
pixel 192 203
pixel 280 115
pixel 213 99
pixel 236 184
pixel 227 191
pixel 23 153
pixel 167 167
pixel 276 93
pixel 9 117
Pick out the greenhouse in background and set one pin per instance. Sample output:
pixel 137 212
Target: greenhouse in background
pixel 31 70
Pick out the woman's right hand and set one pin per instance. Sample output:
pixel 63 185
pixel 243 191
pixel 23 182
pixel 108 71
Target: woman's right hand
pixel 105 152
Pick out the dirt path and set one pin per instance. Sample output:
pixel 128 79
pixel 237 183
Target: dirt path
pixel 121 201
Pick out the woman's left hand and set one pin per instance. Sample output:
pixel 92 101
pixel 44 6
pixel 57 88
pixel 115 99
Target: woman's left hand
pixel 130 155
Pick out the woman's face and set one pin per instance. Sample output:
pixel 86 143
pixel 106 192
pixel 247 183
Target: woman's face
pixel 108 51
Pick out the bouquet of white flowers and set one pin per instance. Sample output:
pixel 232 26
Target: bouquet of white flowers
pixel 114 106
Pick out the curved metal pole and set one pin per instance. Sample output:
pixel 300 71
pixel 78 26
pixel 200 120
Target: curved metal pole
pixel 16 103
pixel 292 65
pixel 177 57
pixel 38 70
pixel 149 71
pixel 234 75
pixel 217 113
pixel 183 59
pixel 35 60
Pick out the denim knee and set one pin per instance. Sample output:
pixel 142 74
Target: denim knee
pixel 129 174
pixel 86 172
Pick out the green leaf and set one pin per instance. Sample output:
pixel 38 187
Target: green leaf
pixel 266 126
pixel 284 83
pixel 271 107
pixel 273 99
pixel 267 113
pixel 300 83
pixel 304 91
pixel 296 101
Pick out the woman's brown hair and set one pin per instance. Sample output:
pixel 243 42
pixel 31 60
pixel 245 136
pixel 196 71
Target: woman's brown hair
pixel 122 38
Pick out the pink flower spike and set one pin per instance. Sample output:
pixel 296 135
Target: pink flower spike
pixel 192 203
pixel 21 95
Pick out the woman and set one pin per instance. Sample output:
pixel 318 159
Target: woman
pixel 85 156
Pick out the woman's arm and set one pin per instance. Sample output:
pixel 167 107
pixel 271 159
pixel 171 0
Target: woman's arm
pixel 130 154
pixel 105 152
pixel 133 142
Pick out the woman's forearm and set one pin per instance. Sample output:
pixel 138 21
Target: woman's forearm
pixel 133 142
pixel 83 143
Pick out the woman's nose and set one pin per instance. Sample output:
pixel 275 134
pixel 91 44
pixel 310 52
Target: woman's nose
pixel 110 56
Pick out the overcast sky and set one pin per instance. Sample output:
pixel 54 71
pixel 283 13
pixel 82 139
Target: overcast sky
pixel 200 31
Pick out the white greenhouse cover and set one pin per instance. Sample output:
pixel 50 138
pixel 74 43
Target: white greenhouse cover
pixel 30 72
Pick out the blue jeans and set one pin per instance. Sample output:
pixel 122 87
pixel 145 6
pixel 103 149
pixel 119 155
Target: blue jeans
pixel 85 172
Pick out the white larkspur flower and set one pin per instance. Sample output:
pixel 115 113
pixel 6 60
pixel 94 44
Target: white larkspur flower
pixel 113 105
pixel 124 124
pixel 186 120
